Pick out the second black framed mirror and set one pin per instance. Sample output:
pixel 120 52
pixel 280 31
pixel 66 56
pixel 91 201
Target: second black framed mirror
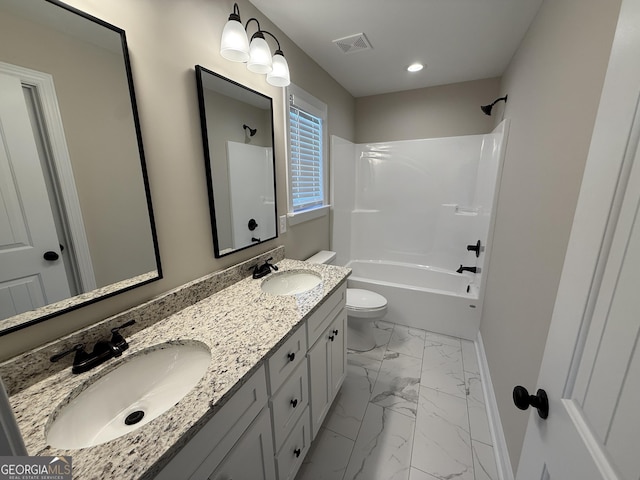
pixel 237 138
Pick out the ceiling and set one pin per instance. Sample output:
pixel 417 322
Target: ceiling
pixel 456 40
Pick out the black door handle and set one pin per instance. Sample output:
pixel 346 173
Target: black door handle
pixel 51 256
pixel 523 400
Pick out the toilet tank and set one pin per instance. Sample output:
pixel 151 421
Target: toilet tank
pixel 323 256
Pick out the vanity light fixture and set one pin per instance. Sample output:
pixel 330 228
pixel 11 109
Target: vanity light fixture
pixel 236 47
pixel 259 52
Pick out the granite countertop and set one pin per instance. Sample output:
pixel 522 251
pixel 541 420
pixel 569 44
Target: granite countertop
pixel 242 326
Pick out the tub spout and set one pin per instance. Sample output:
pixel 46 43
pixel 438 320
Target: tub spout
pixel 468 269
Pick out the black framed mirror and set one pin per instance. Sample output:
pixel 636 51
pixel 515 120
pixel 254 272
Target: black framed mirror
pixel 77 223
pixel 237 138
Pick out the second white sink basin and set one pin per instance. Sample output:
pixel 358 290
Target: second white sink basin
pixel 146 385
pixel 291 282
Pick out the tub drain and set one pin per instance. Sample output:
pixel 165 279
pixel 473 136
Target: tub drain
pixel 134 417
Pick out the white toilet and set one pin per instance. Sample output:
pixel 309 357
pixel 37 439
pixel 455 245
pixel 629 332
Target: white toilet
pixel 363 308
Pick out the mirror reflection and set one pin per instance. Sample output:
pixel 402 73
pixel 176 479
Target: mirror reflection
pixel 237 133
pixel 75 217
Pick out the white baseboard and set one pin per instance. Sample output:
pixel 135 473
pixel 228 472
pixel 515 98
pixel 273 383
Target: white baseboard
pixel 503 463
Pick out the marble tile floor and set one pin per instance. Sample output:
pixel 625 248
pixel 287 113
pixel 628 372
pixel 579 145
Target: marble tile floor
pixel 410 409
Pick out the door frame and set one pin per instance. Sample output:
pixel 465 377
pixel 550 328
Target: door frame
pixel 43 84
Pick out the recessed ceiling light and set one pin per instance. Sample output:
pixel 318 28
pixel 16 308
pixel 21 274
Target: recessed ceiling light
pixel 415 67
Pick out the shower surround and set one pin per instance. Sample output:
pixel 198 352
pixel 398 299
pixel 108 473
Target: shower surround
pixel 403 215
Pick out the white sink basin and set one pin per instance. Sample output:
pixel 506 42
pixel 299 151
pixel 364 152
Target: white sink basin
pixel 291 282
pixel 142 388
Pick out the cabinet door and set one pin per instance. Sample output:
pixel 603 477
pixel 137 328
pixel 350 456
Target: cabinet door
pixel 319 381
pixel 327 369
pixel 252 457
pixel 338 340
pixel 319 321
pixel 212 443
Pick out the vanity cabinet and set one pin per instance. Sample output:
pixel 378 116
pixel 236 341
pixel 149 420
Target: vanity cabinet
pixel 266 429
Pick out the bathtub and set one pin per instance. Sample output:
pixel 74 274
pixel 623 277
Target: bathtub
pixel 423 297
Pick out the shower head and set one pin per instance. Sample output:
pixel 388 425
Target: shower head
pixel 252 131
pixel 487 108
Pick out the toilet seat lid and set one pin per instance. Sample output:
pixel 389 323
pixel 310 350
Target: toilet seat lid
pixel 358 298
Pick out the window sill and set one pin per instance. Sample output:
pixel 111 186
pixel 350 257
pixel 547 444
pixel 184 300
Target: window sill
pixel 306 215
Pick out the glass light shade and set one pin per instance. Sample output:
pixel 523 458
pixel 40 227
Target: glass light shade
pixel 234 45
pixel 259 56
pixel 279 76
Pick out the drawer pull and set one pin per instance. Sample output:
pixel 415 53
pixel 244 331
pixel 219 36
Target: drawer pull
pixel 332 337
pixel 335 332
pixel 291 356
pixel 297 452
pixel 294 402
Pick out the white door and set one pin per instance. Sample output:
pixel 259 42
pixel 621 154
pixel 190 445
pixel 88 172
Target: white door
pixel 591 364
pixel 27 231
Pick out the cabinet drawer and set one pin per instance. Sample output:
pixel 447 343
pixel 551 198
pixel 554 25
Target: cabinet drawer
pixel 287 358
pixel 289 402
pixel 209 446
pixel 321 318
pixel 294 449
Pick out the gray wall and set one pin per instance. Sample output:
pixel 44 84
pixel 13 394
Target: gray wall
pixel 443 111
pixel 554 83
pixel 166 40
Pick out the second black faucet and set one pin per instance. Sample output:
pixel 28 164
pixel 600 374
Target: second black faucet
pixel 264 270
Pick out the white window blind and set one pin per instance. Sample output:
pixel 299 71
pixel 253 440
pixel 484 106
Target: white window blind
pixel 306 159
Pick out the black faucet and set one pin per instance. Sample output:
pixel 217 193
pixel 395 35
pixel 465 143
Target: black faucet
pixel 468 269
pixel 263 270
pixel 102 351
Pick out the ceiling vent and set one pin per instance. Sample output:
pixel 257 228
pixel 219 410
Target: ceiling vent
pixel 353 43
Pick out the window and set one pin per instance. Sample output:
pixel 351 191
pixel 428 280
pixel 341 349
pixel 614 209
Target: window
pixel 306 159
pixel 307 154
